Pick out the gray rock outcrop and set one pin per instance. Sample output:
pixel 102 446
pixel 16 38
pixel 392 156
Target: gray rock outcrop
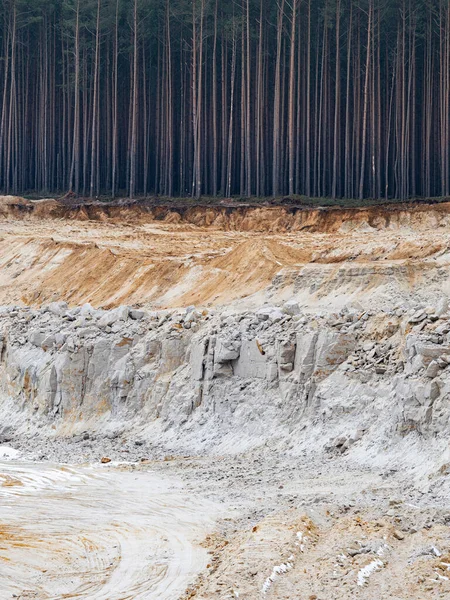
pixel 197 375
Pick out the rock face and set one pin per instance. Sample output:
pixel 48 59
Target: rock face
pixel 194 375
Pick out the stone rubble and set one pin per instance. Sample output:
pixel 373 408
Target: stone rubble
pixel 274 368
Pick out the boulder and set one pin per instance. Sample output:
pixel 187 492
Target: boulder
pixel 87 310
pixel 113 316
pixel 442 307
pixel 192 317
pixel 48 342
pixel 137 315
pixel 226 351
pixel 433 370
pixel 173 352
pixel 252 362
pixel 60 338
pixel 418 317
pixel 292 307
pixel 122 313
pixel 332 350
pixel 197 359
pixel 36 338
pixel 286 355
pixel 428 352
pixel 305 354
pixel 57 308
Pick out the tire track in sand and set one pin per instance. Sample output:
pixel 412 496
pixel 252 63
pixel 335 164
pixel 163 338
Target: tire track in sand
pixel 98 533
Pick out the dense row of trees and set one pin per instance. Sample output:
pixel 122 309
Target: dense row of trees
pixel 252 97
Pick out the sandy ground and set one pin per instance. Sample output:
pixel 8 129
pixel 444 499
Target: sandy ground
pixel 254 526
pixel 98 533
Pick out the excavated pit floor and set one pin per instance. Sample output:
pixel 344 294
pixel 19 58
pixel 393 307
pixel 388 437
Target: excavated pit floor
pixel 254 526
pixel 98 533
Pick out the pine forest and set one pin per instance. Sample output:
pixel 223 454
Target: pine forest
pixel 319 98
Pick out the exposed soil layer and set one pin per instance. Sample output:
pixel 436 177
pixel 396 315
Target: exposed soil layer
pixel 167 256
pixel 268 216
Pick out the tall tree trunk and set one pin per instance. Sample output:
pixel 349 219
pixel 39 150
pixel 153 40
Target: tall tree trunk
pixel 291 125
pixel 134 106
pixel 366 103
pixel 74 178
pixel 95 103
pixel 277 105
pixel 337 105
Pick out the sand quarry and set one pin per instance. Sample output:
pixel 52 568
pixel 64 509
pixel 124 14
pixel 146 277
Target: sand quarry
pixel 224 401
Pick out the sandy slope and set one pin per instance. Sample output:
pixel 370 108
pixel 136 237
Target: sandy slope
pixel 264 254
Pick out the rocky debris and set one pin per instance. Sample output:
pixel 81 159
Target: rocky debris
pixel 185 368
pixel 292 307
pixel 344 442
pixel 270 314
pixel 382 358
pixel 137 315
pixel 418 317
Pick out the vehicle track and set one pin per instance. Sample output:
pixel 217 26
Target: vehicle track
pixel 97 533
